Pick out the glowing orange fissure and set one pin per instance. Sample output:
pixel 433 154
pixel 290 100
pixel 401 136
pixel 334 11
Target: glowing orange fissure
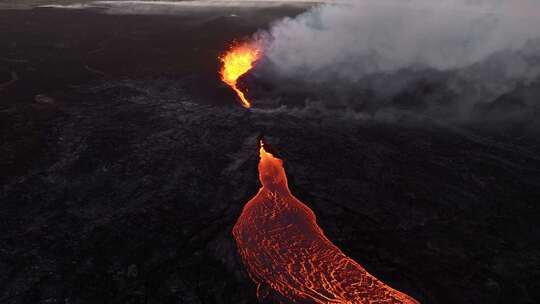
pixel 286 252
pixel 237 62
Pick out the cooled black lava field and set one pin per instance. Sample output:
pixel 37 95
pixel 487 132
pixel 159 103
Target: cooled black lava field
pixel 125 162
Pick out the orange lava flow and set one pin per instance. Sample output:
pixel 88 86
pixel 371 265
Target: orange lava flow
pixel 237 62
pixel 287 254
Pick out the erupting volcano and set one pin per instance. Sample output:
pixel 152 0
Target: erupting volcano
pixel 287 254
pixel 236 62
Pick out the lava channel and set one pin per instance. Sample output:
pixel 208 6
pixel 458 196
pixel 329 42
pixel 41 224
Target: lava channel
pixel 237 62
pixel 288 256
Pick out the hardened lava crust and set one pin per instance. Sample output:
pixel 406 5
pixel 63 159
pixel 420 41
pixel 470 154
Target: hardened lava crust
pixel 125 163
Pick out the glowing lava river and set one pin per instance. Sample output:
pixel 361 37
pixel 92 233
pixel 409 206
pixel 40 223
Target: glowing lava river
pixel 287 253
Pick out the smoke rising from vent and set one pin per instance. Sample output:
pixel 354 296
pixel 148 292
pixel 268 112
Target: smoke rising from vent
pixel 364 36
pixel 475 50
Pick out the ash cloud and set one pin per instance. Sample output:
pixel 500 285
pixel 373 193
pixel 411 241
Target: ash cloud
pixel 452 57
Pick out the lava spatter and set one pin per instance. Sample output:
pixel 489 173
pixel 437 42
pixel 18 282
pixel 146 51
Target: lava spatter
pixel 235 63
pixel 283 248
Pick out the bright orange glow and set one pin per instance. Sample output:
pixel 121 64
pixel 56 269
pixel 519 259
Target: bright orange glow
pixel 287 254
pixel 236 62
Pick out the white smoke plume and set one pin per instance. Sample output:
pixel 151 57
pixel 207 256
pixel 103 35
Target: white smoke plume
pixel 450 56
pixel 361 37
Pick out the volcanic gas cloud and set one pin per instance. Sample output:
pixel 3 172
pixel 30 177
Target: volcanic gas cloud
pixel 284 249
pixel 236 62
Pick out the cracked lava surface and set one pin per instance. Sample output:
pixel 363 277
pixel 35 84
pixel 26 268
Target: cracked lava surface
pixel 285 251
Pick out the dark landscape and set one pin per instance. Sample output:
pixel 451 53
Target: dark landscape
pixel 125 162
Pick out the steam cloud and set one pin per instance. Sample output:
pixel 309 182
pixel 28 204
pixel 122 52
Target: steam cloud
pixel 480 49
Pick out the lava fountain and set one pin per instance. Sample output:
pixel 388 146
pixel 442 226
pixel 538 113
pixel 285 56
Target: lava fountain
pixel 287 254
pixel 235 63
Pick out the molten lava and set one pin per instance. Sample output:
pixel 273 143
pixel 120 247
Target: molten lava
pixel 287 254
pixel 236 62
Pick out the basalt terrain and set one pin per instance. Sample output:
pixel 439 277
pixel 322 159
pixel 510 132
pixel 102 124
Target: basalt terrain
pixel 125 163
